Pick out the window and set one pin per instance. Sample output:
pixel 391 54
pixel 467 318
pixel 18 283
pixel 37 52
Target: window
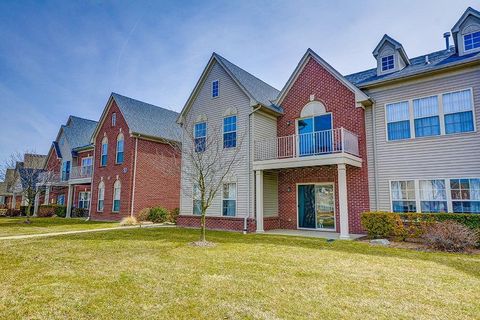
pixel 119 157
pixel 230 132
pixel 229 199
pixel 114 119
pixel 101 196
pixel 197 202
pixel 61 199
pixel 471 41
pixel 65 170
pixel 457 107
pixel 104 154
pixel 403 196
pixel 84 200
pixel 427 121
pixel 2 199
pixel 117 188
pixel 200 136
pixel 215 89
pixel 86 169
pixel 387 63
pixel 433 196
pixel 465 195
pixel 398 121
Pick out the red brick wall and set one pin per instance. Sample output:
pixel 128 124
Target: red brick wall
pixel 217 223
pixel 111 171
pixel 157 181
pixel 338 99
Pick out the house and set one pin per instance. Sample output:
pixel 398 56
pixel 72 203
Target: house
pixel 69 165
pixel 6 190
pixel 136 159
pixel 328 147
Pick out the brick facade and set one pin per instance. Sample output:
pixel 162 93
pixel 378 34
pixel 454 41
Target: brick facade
pixel 217 223
pixel 340 101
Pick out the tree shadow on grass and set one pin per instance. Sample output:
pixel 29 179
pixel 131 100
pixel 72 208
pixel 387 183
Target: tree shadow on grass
pixel 469 264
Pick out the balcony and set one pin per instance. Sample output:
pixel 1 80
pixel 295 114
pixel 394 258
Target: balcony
pixel 309 149
pixel 81 173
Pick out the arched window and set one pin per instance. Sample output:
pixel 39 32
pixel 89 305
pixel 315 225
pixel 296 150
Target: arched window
pixel 314 128
pixel 104 152
pixel 101 196
pixel 119 157
pixel 114 119
pixel 117 188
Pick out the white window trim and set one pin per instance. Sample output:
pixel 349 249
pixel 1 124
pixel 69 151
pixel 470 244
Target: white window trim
pixel 465 50
pixel 98 196
pixel 224 132
pixel 236 199
pixel 381 63
pixel 441 115
pixel 116 148
pixel 211 89
pixel 104 142
pixel 89 198
pixel 119 196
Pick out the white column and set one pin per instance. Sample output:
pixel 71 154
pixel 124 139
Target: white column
pixel 47 195
pixel 343 201
pixel 36 203
pixel 69 201
pixel 259 199
pixel 14 200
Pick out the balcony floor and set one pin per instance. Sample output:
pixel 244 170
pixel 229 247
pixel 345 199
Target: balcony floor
pixel 309 161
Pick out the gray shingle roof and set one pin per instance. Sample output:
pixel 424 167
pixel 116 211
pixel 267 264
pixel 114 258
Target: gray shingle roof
pixel 78 131
pixel 438 60
pixel 260 91
pixel 147 119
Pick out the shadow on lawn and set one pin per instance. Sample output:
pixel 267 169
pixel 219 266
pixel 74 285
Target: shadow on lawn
pixel 469 264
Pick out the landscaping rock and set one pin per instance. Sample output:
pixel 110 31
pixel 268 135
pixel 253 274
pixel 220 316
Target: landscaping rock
pixel 380 242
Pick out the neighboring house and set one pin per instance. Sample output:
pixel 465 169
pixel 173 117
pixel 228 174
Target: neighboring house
pixel 70 166
pixel 402 136
pixel 135 163
pixel 226 98
pixel 6 189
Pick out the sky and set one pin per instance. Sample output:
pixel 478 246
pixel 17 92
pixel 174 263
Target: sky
pixel 61 58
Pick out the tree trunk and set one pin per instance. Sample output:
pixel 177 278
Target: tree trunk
pixel 27 212
pixel 202 226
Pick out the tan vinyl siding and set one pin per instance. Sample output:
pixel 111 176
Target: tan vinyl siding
pixel 270 194
pixel 370 156
pixel 445 156
pixel 230 96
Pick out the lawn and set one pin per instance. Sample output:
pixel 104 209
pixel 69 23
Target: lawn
pixel 153 273
pixel 16 226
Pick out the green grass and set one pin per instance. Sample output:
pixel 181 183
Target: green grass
pixel 16 226
pixel 153 273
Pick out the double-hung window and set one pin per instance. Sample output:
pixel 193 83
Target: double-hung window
pixel 65 170
pixel 101 196
pixel 200 135
pixel 471 41
pixel 403 196
pixel 197 202
pixel 117 187
pixel 388 63
pixel 104 154
pixel 86 169
pixel 458 110
pixel 398 121
pixel 230 132
pixel 433 196
pixel 84 200
pixel 427 119
pixel 229 202
pixel 120 143
pixel 215 89
pixel 465 195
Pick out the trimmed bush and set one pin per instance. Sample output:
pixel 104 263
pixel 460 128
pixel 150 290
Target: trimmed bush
pixel 383 225
pixel 470 220
pixel 451 236
pixel 45 211
pixel 174 215
pixel 13 213
pixel 142 215
pixel 128 221
pixel 158 215
pixel 79 213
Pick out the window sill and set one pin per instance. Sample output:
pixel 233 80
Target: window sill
pixel 425 138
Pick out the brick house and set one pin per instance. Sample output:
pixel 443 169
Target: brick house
pixel 135 163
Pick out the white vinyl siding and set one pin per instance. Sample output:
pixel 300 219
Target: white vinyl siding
pixel 270 194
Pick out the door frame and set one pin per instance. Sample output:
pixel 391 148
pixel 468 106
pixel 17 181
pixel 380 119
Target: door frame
pixel 334 206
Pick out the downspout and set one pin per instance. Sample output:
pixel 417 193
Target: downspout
pixel 245 227
pixel 375 160
pixel 91 187
pixel 134 176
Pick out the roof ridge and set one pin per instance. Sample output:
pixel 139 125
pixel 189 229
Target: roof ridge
pixel 77 117
pixel 143 102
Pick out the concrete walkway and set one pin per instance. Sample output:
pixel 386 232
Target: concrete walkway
pixel 311 234
pixel 61 233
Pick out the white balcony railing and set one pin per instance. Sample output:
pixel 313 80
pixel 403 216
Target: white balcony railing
pixel 81 172
pixel 307 144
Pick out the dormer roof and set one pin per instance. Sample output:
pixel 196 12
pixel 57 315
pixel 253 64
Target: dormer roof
pixel 465 15
pixel 397 46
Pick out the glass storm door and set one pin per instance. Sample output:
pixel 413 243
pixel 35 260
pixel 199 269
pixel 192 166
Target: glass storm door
pixel 315 136
pixel 316 206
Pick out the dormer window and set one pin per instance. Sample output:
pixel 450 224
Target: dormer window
pixel 471 41
pixel 388 63
pixel 215 89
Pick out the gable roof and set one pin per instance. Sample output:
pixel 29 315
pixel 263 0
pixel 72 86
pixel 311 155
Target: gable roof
pixel 397 45
pixel 258 91
pixel 437 60
pixel 468 12
pixel 144 119
pixel 78 131
pixel 310 54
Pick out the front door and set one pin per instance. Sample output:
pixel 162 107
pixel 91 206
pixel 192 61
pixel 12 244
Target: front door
pixel 316 206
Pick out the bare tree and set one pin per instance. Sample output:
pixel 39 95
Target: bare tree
pixel 28 174
pixel 205 164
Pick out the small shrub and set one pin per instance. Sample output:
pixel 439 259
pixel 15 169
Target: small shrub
pixel 415 224
pixel 60 211
pixel 128 221
pixel 174 215
pixel 470 220
pixel 142 215
pixel 383 225
pixel 13 213
pixel 450 236
pixel 79 213
pixel 158 215
pixel 45 211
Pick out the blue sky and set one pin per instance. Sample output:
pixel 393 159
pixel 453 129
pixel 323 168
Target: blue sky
pixel 65 57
